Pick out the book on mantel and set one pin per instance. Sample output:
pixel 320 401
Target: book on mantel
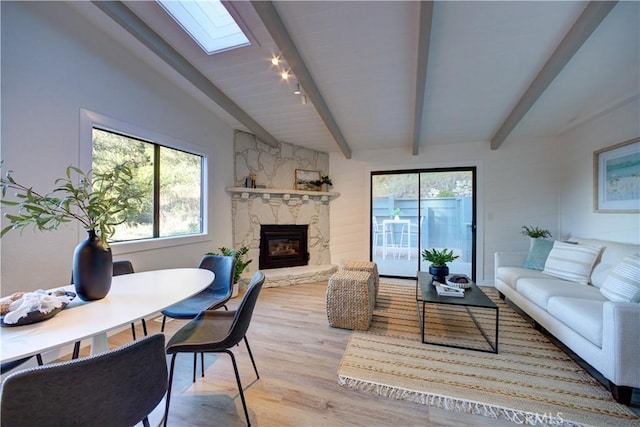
pixel 448 291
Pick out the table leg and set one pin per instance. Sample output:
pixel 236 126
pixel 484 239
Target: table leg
pixel 99 343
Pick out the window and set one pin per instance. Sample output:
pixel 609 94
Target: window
pixel 171 173
pixel 170 178
pixel 209 23
pixel 422 209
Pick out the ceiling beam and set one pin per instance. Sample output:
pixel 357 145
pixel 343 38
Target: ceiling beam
pixel 124 17
pixel 272 21
pixel 587 22
pixel 426 17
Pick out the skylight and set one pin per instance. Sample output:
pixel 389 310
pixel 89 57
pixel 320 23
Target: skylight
pixel 208 23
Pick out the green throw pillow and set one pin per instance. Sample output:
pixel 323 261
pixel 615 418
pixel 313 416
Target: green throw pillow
pixel 538 254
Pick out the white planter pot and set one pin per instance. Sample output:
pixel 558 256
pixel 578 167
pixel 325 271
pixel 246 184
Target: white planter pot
pixel 234 290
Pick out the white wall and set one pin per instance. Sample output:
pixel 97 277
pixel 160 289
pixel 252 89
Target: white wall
pixel 517 185
pixel 545 183
pixel 577 217
pixel 54 62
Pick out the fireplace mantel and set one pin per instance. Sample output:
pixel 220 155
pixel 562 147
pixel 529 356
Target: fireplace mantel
pixel 267 193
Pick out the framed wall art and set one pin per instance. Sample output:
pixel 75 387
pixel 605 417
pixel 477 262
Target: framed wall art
pixel 616 183
pixel 307 180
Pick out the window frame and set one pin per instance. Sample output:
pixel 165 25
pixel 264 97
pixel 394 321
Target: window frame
pixel 89 120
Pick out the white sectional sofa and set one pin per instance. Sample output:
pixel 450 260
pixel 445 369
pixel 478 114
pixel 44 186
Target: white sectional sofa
pixel 598 320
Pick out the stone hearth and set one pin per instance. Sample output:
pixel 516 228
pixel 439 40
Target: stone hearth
pixel 292 275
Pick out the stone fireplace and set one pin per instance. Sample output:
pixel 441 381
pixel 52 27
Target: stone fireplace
pixel 276 202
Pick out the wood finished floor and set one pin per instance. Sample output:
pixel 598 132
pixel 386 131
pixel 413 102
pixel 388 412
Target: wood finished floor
pixel 297 355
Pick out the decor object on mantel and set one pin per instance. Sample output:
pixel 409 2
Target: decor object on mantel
pixel 439 259
pixel 312 180
pixel 323 183
pixel 241 264
pixel 99 202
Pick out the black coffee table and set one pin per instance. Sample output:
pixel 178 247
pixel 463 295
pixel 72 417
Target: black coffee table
pixel 474 301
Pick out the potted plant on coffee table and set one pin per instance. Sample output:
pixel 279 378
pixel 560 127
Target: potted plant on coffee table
pixel 99 202
pixel 439 259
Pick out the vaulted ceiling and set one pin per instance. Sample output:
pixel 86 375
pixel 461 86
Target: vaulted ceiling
pixel 399 74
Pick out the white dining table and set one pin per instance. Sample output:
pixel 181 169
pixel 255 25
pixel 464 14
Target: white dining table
pixel 131 298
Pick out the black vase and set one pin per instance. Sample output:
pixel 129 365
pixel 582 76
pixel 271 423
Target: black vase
pixel 92 268
pixel 439 273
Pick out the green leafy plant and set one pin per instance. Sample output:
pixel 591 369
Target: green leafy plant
pixel 535 232
pixel 396 211
pixel 239 255
pixel 438 258
pixel 99 201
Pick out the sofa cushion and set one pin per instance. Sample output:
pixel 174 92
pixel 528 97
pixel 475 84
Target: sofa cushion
pixel 582 315
pixel 538 291
pixel 571 262
pixel 612 253
pixel 623 283
pixel 538 254
pixel 511 275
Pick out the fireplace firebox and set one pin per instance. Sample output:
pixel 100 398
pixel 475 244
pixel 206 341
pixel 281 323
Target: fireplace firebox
pixel 283 245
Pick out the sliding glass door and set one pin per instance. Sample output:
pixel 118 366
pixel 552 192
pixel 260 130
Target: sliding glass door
pixel 422 209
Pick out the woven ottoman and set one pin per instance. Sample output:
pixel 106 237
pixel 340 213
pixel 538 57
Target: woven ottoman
pixel 369 266
pixel 350 299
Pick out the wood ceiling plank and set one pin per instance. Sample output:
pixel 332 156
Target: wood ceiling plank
pixel 587 22
pixel 272 21
pixel 122 15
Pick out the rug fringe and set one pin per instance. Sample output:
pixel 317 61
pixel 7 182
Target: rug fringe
pixel 457 405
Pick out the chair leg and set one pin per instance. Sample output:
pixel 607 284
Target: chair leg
pixel 202 364
pixel 164 318
pixel 145 422
pixel 251 356
pixel 133 330
pixel 76 350
pixel 144 327
pixel 235 370
pixel 195 363
pixel 166 407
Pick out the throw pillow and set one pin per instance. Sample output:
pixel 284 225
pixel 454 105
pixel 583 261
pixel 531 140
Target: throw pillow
pixel 623 283
pixel 571 262
pixel 538 254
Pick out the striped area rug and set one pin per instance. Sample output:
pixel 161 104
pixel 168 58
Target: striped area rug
pixel 529 382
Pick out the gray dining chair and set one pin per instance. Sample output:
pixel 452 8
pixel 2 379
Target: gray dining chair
pixel 213 297
pixel 119 387
pixel 9 366
pixel 217 332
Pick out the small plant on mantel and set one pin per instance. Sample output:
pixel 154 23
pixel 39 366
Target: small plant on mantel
pixel 535 232
pixel 324 180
